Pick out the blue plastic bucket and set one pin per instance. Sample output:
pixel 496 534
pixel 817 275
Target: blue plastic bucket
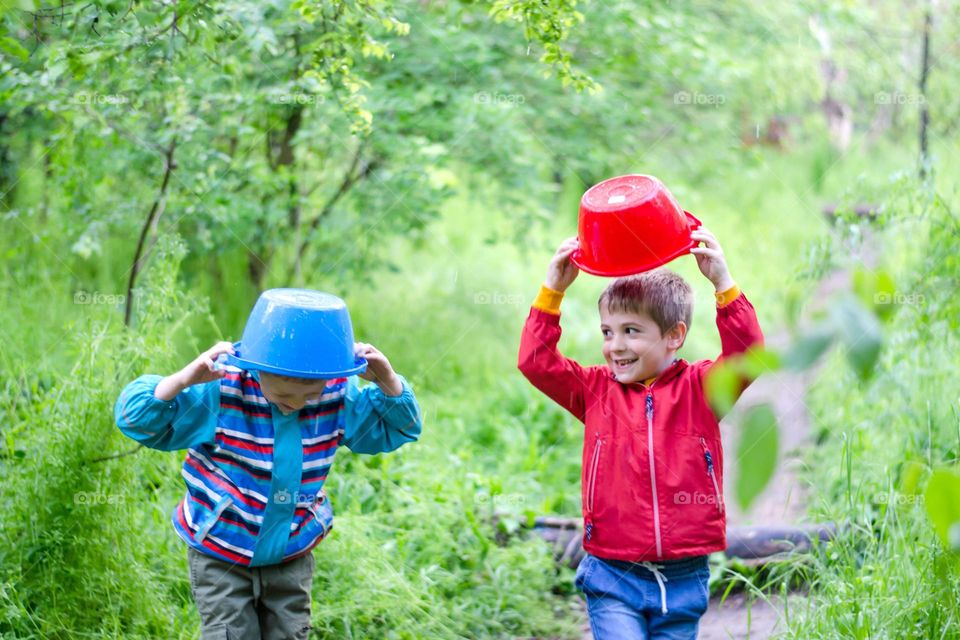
pixel 298 332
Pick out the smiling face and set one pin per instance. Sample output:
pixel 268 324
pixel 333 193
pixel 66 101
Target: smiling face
pixel 290 394
pixel 644 319
pixel 634 347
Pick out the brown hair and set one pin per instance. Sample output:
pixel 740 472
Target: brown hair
pixel 660 294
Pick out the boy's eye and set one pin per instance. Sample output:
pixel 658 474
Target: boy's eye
pixel 633 330
pixel 606 332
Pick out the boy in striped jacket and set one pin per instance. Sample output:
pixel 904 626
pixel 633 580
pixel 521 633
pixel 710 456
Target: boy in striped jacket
pixel 259 448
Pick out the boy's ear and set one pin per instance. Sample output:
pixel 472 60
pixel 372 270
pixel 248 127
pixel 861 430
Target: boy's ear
pixel 676 335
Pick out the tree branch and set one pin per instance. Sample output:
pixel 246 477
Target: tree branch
pixel 156 210
pixel 350 178
pixel 116 455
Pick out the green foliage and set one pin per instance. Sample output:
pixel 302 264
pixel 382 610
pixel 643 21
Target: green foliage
pixel 756 453
pixel 417 159
pixel 548 23
pixel 887 447
pixel 942 500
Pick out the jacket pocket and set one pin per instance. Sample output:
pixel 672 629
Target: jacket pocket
pixel 320 510
pixel 712 473
pixel 592 475
pixel 203 528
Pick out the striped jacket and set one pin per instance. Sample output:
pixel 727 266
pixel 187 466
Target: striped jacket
pixel 254 476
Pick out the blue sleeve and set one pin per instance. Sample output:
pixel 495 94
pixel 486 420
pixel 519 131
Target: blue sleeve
pixel 375 422
pixel 188 420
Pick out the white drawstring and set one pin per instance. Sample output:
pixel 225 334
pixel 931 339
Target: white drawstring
pixel 655 570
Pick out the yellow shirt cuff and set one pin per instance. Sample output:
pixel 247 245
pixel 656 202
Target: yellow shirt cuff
pixel 726 297
pixel 548 300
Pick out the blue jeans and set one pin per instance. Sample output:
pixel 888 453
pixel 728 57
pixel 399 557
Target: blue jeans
pixel 644 601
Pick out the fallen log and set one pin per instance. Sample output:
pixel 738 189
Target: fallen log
pixel 832 212
pixel 763 543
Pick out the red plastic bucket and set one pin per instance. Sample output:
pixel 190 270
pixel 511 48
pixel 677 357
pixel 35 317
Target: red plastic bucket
pixel 631 224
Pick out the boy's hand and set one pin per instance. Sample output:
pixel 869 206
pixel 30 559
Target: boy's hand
pixel 562 272
pixel 379 369
pixel 710 259
pixel 201 370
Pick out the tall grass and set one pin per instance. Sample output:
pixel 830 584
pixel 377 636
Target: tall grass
pixel 886 575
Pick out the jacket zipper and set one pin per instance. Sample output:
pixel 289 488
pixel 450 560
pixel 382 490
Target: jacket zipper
pixel 653 475
pixel 713 476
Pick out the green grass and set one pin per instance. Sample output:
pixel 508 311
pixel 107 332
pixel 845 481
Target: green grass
pixel 887 575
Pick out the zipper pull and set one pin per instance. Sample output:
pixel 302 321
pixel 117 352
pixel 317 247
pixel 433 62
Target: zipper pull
pixel 706 455
pixel 650 408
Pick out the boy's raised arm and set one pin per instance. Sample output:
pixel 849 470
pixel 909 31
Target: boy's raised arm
pixel 382 416
pixel 189 419
pixel 563 380
pixel 737 323
pixel 736 318
pixel 177 411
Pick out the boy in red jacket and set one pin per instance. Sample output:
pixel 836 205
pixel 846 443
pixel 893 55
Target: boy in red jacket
pixel 652 475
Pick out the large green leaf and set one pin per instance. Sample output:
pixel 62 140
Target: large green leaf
pixel 756 453
pixel 812 344
pixel 877 290
pixel 758 361
pixel 943 506
pixel 861 334
pixel 721 385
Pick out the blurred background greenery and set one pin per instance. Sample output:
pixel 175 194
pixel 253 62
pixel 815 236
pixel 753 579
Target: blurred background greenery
pixel 161 163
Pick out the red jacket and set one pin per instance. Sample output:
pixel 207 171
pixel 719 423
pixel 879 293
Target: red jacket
pixel 652 476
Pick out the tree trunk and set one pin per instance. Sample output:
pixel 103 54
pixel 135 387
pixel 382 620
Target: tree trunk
pixel 924 107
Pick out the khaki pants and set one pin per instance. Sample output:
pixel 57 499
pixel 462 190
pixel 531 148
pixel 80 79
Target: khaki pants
pixel 244 603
